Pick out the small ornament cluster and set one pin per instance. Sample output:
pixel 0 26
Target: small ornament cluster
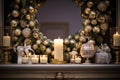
pixel 22 19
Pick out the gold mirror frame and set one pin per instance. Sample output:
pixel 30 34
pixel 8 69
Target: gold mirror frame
pixel 95 14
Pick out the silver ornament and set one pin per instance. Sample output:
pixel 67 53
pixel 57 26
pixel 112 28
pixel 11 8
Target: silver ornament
pixel 15 13
pixel 48 51
pixel 17 32
pixel 26 32
pixel 96 29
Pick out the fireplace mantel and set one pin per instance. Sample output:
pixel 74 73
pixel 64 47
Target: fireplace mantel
pixel 56 71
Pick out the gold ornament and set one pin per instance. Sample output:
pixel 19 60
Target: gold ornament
pixel 38 42
pixel 104 26
pixel 87 11
pixel 35 46
pixel 70 37
pixel 96 29
pixel 31 10
pixel 66 41
pixel 92 15
pixel 26 32
pixel 28 17
pixel 23 23
pixel 35 35
pixel 91 41
pixel 16 6
pixel 48 51
pixel 46 43
pixel 86 22
pixel 15 13
pixel 88 28
pixel 27 41
pixel 17 32
pixel 14 23
pixel 18 1
pixel 32 24
pixel 82 39
pixel 82 32
pixel 72 41
pixel 94 22
pixel 43 48
pixel 15 38
pixel 102 6
pixel 24 11
pixel 90 4
pixel 77 37
pixel 101 19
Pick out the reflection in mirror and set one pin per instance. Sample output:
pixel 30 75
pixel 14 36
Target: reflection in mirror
pixel 59 18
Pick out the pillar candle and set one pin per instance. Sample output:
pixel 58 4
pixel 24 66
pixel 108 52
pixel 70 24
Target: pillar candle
pixel 43 59
pixel 6 40
pixel 58 49
pixel 116 39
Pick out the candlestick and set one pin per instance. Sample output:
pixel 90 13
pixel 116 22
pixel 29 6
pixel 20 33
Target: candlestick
pixel 58 49
pixel 116 39
pixel 6 40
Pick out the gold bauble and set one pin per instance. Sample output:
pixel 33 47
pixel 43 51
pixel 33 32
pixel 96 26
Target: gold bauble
pixel 70 37
pixel 35 35
pixel 96 29
pixel 82 32
pixel 48 51
pixel 27 41
pixel 102 6
pixel 15 38
pixel 16 6
pixel 18 1
pixel 104 26
pixel 24 11
pixel 76 37
pixel 94 22
pixel 90 4
pixel 91 41
pixel 101 18
pixel 32 24
pixel 13 23
pixel 92 14
pixel 28 17
pixel 84 15
pixel 31 10
pixel 86 22
pixel 66 41
pixel 35 46
pixel 88 28
pixel 15 13
pixel 38 42
pixel 17 32
pixel 68 49
pixel 82 39
pixel 43 47
pixel 23 23
pixel 46 43
pixel 72 41
pixel 87 11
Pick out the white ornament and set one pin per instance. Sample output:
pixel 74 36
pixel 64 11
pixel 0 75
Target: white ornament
pixel 26 32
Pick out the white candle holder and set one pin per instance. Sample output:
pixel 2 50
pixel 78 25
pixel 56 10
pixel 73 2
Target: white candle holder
pixel 24 59
pixel 35 59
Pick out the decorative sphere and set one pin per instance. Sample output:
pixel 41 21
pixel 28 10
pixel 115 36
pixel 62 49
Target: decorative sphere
pixel 32 23
pixel 92 15
pixel 35 46
pixel 94 22
pixel 35 35
pixel 31 10
pixel 96 29
pixel 86 22
pixel 38 41
pixel 91 42
pixel 82 39
pixel 48 51
pixel 14 23
pixel 15 13
pixel 26 32
pixel 28 17
pixel 102 6
pixel 90 4
pixel 24 11
pixel 17 32
pixel 104 26
pixel 88 28
pixel 87 11
pixel 66 41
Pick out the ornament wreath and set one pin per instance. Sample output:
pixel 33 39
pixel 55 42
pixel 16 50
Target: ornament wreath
pixel 22 19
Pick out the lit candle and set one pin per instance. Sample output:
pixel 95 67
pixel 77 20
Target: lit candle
pixel 116 39
pixel 24 59
pixel 58 49
pixel 35 59
pixel 43 59
pixel 77 60
pixel 6 40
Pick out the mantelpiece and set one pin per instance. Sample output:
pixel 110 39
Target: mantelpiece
pixel 59 71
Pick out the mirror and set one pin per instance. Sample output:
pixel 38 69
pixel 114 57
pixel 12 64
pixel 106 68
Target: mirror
pixel 59 18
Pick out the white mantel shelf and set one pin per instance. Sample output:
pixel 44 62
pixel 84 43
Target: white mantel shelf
pixel 51 71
